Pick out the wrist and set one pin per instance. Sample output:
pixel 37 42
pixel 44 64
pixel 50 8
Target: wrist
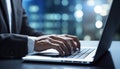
pixel 36 45
pixel 31 43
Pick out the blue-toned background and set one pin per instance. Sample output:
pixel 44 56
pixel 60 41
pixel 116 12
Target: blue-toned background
pixel 83 18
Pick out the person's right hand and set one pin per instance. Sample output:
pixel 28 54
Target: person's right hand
pixel 65 45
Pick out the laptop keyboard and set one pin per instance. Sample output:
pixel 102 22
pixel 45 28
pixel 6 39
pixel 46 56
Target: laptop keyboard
pixel 81 54
pixel 78 54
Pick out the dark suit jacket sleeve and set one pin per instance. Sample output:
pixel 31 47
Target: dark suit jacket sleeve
pixel 13 45
pixel 26 29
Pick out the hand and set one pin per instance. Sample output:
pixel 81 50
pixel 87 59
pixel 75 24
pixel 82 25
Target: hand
pixel 64 44
pixel 74 38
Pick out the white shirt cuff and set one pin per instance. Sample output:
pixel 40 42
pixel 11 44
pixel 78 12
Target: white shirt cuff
pixel 31 42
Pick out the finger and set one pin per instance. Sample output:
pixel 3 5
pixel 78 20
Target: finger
pixel 42 37
pixel 75 39
pixel 64 41
pixel 63 47
pixel 58 48
pixel 71 42
pixel 46 44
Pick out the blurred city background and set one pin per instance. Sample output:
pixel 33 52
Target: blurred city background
pixel 83 18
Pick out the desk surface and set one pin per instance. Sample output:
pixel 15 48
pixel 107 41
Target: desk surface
pixel 109 61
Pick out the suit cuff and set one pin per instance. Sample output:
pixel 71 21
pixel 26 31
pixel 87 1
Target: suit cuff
pixel 31 42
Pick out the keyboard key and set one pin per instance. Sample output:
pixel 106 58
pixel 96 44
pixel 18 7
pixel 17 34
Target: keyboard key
pixel 81 54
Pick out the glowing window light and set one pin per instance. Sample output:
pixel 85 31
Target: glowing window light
pixel 98 24
pixel 57 2
pixel 98 9
pixel 105 8
pixel 65 16
pixel 90 2
pixel 53 16
pixel 104 13
pixel 64 2
pixel 78 14
pixel 48 25
pixel 34 8
pixel 34 17
pixel 34 24
pixel 87 37
pixel 78 7
pixel 79 19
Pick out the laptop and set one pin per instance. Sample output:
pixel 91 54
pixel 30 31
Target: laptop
pixel 87 54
